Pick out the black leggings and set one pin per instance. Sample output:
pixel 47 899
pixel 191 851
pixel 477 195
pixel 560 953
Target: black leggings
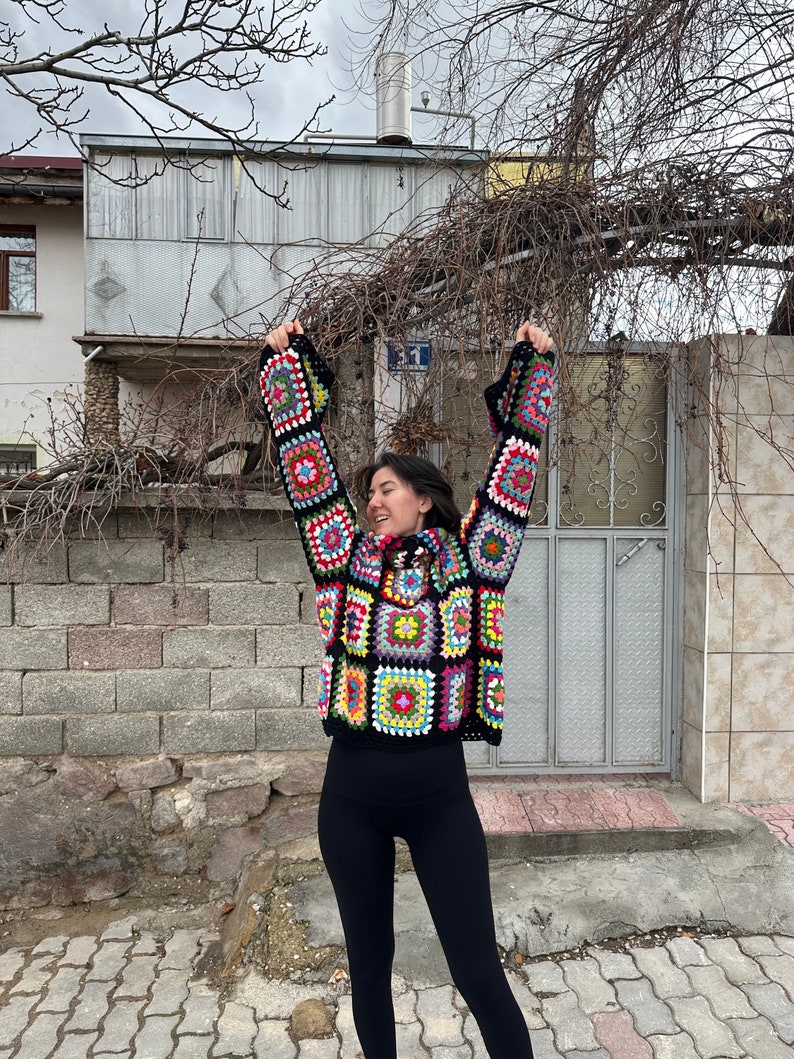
pixel 369 796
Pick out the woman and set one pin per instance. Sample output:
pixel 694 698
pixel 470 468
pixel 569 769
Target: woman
pixel 411 615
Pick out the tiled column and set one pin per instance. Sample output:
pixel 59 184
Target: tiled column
pixel 738 737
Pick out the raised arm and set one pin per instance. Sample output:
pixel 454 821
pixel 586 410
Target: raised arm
pixel 518 413
pixel 295 383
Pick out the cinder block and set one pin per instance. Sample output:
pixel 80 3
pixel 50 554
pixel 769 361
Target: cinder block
pixel 62 605
pixel 34 566
pixel 254 525
pixel 239 689
pixel 175 604
pixel 32 648
pixel 156 524
pixel 209 648
pixel 6 612
pixel 282 561
pixel 10 693
pixel 254 604
pixel 113 735
pixel 30 736
pixel 116 562
pixel 214 733
pixel 217 561
pixel 311 685
pixel 116 648
pixel 290 645
pixel 160 690
pixel 289 730
pixel 68 692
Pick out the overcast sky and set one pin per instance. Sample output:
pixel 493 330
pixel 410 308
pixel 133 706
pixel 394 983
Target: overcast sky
pixel 285 98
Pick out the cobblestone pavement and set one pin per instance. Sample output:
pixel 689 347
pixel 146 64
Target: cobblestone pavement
pixel 134 993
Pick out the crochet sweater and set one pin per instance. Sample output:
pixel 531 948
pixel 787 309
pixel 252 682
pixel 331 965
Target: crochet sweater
pixel 412 626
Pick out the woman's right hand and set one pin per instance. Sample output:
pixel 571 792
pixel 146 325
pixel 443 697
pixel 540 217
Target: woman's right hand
pixel 279 337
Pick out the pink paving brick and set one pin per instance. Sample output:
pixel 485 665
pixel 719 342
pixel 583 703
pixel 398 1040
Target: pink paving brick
pixel 778 818
pixel 615 1030
pixel 501 812
pixel 779 811
pixel 627 809
pixel 570 810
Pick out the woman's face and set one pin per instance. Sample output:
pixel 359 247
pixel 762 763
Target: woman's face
pixel 393 507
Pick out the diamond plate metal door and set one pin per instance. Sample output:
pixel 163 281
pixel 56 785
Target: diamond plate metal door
pixel 581 737
pixel 527 641
pixel 639 649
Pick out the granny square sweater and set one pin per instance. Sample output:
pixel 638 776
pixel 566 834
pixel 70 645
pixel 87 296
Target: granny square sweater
pixel 412 626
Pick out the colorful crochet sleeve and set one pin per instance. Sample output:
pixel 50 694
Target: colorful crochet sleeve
pixel 518 413
pixel 295 387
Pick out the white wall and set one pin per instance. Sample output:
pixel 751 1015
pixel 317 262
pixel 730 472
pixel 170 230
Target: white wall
pixel 38 359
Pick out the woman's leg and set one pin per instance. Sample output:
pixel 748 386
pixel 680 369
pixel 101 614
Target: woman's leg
pixel 449 854
pixel 359 856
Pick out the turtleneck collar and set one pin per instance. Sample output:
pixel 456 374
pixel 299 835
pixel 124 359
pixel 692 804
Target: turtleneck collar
pixel 409 550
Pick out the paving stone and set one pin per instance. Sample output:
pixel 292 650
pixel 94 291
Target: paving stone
pixel 79 951
pixel 712 1039
pixel 138 976
pixel 327 1049
pixel 658 967
pixel 441 1020
pixel 529 1004
pixel 56 944
pixel 92 1008
pixel 273 1041
pixel 727 1002
pixel 409 1042
pixel 181 949
pixel 11 962
pixel 16 1015
pixel 780 969
pixel 771 1000
pixel 346 1028
pixel 739 968
pixel 786 944
pixel 236 1030
pixel 545 977
pixel 148 944
pixel 471 1033
pixel 74 1046
pixel 616 965
pixel 599 1053
pixel 758 945
pixel 615 1030
pixel 404 1006
pixel 572 1029
pixel 122 930
pixel 193 1046
pixel 759 1039
pixel 108 961
pixel 200 1009
pixel 686 952
pixel 40 1038
pixel 583 976
pixel 120 1026
pixel 168 993
pixel 37 974
pixel 155 1040
pixel 649 1013
pixel 676 1046
pixel 463 1052
pixel 543 1046
pixel 62 989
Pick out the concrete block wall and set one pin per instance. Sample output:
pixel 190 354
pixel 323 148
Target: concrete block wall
pixel 108 647
pixel 738 724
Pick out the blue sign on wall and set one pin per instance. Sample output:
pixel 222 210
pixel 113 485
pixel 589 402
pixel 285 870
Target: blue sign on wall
pixel 409 356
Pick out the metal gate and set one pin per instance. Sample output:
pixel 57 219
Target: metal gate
pixel 590 630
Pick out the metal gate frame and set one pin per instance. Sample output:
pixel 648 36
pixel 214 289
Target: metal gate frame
pixel 486 760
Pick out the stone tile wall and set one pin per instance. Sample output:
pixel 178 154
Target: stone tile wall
pixel 738 717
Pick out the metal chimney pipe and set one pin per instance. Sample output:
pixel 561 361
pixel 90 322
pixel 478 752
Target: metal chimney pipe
pixel 393 98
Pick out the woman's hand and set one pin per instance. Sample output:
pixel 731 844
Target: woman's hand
pixel 535 335
pixel 279 337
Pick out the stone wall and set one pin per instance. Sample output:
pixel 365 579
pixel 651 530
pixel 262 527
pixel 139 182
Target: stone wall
pixel 123 662
pixel 738 733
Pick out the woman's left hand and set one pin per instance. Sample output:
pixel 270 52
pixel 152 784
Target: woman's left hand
pixel 535 335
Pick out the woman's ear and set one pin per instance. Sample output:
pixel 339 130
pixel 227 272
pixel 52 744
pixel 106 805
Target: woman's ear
pixel 425 503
